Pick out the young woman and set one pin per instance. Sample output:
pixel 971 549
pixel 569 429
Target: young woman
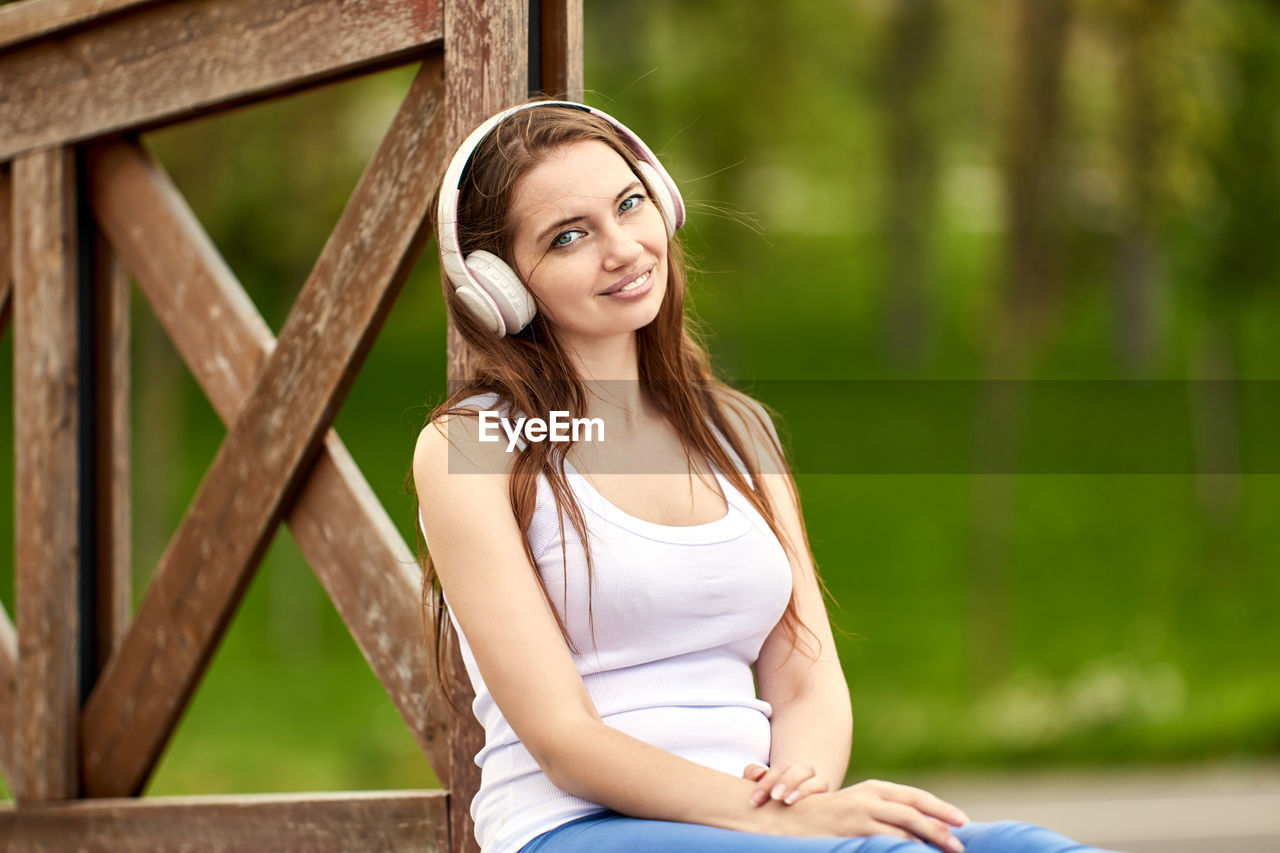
pixel 674 686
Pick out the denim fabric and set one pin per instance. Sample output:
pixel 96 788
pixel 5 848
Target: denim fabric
pixel 609 832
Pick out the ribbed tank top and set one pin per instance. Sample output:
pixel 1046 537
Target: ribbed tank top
pixel 680 614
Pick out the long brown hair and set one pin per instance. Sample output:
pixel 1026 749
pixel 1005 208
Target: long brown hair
pixel 675 373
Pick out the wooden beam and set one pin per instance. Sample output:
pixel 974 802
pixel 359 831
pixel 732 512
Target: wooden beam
pixel 486 70
pixel 113 562
pixel 562 49
pixel 375 583
pixel 211 321
pixel 348 821
pixel 6 245
pixel 206 567
pixel 342 529
pixel 47 477
pixel 166 62
pixel 32 19
pixel 8 636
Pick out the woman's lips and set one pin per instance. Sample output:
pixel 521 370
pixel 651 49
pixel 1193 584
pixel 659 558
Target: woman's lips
pixel 636 283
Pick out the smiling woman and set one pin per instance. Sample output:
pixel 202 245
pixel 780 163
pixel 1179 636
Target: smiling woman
pixel 660 673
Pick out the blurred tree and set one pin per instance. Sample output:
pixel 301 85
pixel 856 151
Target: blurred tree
pixel 1032 176
pixel 1241 265
pixel 906 85
pixel 1024 311
pixel 1140 27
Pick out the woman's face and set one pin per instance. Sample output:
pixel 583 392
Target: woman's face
pixel 589 243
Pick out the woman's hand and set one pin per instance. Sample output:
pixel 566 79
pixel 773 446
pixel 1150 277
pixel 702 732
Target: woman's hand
pixel 882 808
pixel 787 785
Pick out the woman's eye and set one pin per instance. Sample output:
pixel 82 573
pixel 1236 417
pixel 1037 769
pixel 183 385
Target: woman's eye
pixel 631 202
pixel 566 238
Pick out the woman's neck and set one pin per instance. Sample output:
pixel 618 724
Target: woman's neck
pixel 613 359
pixel 610 370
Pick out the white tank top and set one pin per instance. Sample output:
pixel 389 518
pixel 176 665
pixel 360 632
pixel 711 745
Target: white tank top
pixel 680 614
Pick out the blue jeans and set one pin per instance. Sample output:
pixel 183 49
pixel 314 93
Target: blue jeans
pixel 610 832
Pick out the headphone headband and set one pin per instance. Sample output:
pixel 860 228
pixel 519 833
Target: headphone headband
pixel 462 277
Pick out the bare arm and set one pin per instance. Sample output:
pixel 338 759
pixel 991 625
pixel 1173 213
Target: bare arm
pixel 801 678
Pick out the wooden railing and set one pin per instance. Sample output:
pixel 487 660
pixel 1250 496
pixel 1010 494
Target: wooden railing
pixel 90 692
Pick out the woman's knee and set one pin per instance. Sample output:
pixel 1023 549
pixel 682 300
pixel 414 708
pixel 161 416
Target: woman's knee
pixel 883 844
pixel 1013 836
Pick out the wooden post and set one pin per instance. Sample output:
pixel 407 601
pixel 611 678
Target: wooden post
pixel 486 69
pixel 112 562
pixel 561 70
pixel 6 243
pixel 47 475
pixel 8 634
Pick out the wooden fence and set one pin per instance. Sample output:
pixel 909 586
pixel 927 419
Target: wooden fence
pixel 89 692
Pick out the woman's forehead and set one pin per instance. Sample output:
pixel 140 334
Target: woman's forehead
pixel 570 180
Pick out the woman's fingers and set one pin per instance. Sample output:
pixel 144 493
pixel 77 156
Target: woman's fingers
pixel 925 802
pixel 804 789
pixel 919 824
pixel 876 827
pixel 784 784
pixel 789 783
pixel 754 772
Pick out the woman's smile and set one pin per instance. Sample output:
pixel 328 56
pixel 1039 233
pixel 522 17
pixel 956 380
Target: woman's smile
pixel 633 286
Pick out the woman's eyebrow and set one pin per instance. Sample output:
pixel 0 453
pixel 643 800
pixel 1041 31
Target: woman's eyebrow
pixel 556 226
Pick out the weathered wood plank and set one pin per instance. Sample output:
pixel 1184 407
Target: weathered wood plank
pixel 466 738
pixel 562 49
pixel 375 583
pixel 342 529
pixel 169 61
pixel 206 567
pixel 111 388
pixel 21 22
pixel 348 821
pixel 194 294
pixel 47 480
pixel 6 242
pixel 486 69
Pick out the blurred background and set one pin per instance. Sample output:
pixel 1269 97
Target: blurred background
pixel 912 190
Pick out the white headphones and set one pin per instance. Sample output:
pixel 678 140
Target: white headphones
pixel 485 284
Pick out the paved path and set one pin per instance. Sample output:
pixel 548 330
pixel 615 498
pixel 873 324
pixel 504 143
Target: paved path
pixel 1214 809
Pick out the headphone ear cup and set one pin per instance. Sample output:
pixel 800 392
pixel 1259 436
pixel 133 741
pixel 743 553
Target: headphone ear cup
pixel 661 195
pixel 482 307
pixel 505 290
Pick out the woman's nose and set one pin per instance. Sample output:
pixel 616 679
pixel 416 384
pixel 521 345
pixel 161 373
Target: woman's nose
pixel 621 248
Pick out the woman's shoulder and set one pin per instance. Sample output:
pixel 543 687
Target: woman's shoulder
pixel 753 423
pixel 460 439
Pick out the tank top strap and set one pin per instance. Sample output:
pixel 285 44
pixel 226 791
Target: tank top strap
pixel 737 460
